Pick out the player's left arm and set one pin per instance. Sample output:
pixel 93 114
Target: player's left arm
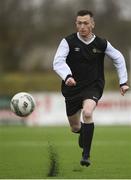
pixel 119 63
pixel 124 88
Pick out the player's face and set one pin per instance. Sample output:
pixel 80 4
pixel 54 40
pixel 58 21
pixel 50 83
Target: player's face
pixel 84 25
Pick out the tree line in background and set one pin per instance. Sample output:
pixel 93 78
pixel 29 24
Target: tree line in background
pixel 30 32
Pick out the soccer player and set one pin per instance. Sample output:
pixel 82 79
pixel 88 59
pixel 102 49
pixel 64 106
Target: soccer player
pixel 79 61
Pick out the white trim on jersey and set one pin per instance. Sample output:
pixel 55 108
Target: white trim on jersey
pixel 118 61
pixel 88 41
pixel 62 69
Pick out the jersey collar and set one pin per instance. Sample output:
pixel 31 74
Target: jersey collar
pixel 86 42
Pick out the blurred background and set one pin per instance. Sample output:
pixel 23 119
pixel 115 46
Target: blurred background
pixel 30 32
pixel 42 145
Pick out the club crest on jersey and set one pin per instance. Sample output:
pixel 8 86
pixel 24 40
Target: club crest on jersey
pixel 77 49
pixel 96 50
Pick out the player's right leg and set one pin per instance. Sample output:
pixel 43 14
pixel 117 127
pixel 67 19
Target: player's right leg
pixel 74 121
pixel 76 126
pixel 73 111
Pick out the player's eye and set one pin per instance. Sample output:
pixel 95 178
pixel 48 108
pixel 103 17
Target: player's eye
pixel 78 23
pixel 84 23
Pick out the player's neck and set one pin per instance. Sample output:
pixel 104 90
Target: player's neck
pixel 86 39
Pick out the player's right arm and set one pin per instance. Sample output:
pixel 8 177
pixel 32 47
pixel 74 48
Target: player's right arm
pixel 60 66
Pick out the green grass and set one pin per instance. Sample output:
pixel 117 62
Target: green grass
pixel 52 152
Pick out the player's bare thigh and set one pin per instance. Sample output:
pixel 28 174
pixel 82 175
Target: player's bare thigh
pixel 89 106
pixel 74 121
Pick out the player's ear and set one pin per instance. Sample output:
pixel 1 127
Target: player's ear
pixel 93 23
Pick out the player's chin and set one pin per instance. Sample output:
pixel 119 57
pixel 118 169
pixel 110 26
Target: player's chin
pixel 83 34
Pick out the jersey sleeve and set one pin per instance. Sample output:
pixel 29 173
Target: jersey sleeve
pixel 118 61
pixel 59 64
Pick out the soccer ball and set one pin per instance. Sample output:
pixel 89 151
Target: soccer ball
pixel 22 104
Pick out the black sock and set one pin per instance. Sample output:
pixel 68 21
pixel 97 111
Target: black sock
pixel 87 132
pixel 80 140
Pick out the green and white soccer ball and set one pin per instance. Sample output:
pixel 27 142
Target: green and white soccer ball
pixel 22 104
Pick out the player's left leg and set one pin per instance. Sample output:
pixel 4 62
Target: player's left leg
pixel 87 130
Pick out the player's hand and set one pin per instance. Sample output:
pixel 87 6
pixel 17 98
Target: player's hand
pixel 70 81
pixel 124 89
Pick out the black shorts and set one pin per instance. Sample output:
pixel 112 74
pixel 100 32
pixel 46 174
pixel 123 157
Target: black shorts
pixel 75 103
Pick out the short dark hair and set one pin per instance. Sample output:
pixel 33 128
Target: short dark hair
pixel 84 12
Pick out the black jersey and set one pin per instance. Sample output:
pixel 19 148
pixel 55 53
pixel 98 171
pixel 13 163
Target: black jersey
pixel 86 63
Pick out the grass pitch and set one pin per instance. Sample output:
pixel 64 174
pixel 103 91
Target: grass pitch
pixel 53 152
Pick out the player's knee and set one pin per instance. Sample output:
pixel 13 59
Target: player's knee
pixel 75 129
pixel 87 114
